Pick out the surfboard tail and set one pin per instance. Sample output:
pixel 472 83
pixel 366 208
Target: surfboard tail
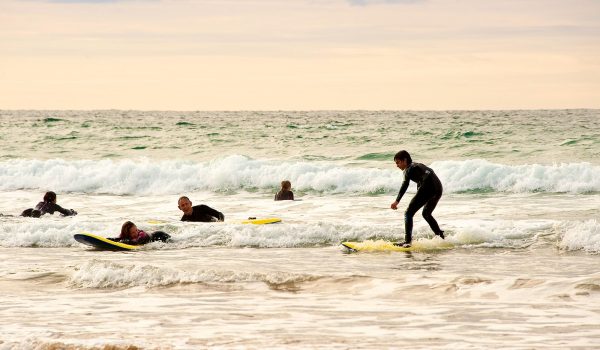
pixel 102 243
pixel 387 246
pixel 350 249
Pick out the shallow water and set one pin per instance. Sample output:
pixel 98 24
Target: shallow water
pixel 299 298
pixel 521 207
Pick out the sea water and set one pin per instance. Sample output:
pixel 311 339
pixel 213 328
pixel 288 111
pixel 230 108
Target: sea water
pixel 521 206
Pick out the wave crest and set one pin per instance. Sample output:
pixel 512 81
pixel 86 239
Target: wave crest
pixel 234 173
pixel 110 275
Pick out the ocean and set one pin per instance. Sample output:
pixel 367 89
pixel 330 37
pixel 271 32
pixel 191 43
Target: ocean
pixel 521 206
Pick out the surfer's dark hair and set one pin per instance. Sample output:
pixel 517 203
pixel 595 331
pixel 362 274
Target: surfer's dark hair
pixel 125 229
pixel 50 196
pixel 403 155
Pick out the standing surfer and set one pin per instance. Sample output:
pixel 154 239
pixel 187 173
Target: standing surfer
pixel 429 192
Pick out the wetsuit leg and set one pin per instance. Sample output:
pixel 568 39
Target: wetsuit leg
pixel 408 226
pixel 428 210
pixel 160 236
pixel 422 196
pixel 33 213
pixel 437 190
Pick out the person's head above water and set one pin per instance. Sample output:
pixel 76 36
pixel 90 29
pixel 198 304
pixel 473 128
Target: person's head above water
pixel 50 197
pixel 286 185
pixel 185 205
pixel 402 159
pixel 129 230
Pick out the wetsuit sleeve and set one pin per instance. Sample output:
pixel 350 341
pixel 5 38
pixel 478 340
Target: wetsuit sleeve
pixel 212 212
pixel 65 212
pixel 404 186
pixel 205 210
pixel 216 214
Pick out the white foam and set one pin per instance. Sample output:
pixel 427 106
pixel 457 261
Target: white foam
pixel 106 274
pixel 498 233
pixel 583 235
pixel 232 173
pixel 480 174
pixel 47 233
pixel 462 233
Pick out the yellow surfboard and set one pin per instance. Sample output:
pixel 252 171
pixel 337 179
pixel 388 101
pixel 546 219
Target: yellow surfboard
pixel 157 222
pixel 103 243
pixel 261 221
pixel 254 221
pixel 387 246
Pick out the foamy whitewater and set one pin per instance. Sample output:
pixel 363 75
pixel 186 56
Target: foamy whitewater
pixel 521 206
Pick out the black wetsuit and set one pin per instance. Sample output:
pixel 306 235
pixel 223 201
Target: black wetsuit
pixel 429 192
pixel 50 208
pixel 31 213
pixel 203 213
pixel 284 195
pixel 153 237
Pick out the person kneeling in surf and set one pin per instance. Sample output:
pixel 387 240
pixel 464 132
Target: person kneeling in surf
pixel 131 235
pixel 429 192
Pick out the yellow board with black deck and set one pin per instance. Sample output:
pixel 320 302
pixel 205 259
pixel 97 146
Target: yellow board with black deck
pixel 103 243
pixel 387 246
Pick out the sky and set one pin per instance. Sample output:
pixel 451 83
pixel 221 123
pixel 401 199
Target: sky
pixel 299 54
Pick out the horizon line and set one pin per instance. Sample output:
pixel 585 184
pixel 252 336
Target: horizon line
pixel 301 110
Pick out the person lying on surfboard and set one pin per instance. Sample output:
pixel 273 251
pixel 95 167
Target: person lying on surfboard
pixel 429 192
pixel 131 235
pixel 198 213
pixel 48 206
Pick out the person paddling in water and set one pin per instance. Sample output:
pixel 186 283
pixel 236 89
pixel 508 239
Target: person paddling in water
pixel 130 234
pixel 198 213
pixel 429 192
pixel 48 206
